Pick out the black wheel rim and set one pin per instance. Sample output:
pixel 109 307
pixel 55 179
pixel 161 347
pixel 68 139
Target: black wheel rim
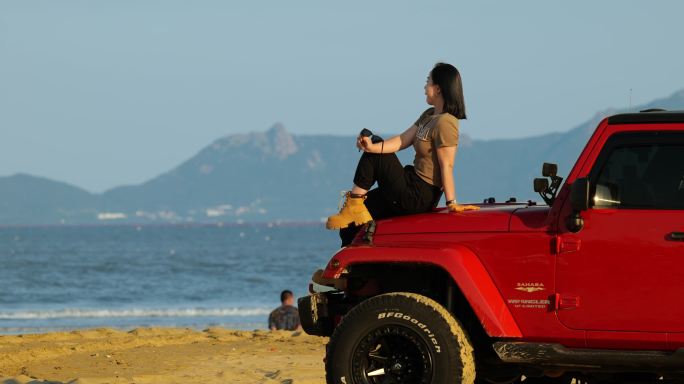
pixel 392 354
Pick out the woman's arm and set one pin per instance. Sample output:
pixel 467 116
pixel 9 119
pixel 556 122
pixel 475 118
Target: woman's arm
pixel 392 145
pixel 446 157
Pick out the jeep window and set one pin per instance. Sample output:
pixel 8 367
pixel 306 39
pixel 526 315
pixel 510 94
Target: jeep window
pixel 641 175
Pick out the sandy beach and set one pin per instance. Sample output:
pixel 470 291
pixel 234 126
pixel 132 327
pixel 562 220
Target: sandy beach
pixel 162 355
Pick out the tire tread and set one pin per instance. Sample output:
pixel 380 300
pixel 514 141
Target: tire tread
pixel 466 359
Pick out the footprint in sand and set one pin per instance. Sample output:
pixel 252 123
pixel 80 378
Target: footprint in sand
pixel 272 375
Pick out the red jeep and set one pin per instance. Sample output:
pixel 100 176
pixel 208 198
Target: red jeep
pixel 588 287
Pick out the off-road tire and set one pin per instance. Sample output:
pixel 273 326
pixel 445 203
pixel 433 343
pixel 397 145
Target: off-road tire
pixel 311 327
pixel 411 334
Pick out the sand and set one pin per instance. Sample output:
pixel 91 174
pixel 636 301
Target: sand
pixel 162 355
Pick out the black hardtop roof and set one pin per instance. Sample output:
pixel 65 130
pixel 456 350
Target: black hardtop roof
pixel 645 117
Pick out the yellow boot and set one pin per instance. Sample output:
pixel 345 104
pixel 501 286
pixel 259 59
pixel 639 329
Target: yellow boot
pixel 353 211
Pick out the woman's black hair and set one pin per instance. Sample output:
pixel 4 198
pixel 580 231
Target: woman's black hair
pixel 447 77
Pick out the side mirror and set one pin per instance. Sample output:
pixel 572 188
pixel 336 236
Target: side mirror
pixel 579 195
pixel 548 189
pixel 549 170
pixel 541 185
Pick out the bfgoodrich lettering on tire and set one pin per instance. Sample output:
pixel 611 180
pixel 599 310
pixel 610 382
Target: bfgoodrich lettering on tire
pixel 399 338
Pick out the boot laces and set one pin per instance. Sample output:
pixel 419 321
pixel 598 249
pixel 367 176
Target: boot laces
pixel 343 200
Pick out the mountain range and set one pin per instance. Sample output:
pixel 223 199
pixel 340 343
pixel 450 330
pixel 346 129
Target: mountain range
pixel 275 175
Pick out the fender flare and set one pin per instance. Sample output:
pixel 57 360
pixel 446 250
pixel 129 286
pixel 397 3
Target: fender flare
pixel 459 262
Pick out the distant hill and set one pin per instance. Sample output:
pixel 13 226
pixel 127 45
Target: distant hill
pixel 26 199
pixel 263 175
pixel 275 175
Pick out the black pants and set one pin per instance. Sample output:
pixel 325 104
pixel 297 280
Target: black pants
pixel 400 191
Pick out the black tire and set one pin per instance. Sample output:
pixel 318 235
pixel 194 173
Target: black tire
pixel 321 327
pixel 399 338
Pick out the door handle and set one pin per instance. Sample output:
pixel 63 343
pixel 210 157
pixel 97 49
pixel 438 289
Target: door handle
pixel 679 236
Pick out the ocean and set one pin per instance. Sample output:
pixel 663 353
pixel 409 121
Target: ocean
pixel 72 277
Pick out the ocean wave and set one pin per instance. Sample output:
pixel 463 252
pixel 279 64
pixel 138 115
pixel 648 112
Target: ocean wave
pixel 118 313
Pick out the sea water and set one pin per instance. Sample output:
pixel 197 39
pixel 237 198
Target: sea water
pixel 61 278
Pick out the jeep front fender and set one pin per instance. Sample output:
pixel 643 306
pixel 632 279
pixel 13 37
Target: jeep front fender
pixel 460 262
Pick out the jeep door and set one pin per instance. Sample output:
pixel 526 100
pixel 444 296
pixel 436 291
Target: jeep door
pixel 624 270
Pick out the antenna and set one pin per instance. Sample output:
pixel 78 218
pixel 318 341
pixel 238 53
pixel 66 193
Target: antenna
pixel 630 98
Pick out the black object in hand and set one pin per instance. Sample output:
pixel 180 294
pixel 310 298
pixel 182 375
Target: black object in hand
pixel 367 133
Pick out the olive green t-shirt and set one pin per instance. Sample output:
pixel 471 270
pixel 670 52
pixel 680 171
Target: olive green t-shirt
pixel 434 131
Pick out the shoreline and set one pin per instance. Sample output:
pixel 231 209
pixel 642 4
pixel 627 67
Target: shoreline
pixel 162 355
pixel 187 224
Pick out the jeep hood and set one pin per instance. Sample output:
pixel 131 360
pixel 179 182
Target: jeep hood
pixel 490 218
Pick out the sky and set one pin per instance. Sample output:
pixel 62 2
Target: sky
pixel 105 93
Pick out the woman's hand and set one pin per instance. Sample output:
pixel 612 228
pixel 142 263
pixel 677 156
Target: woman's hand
pixel 458 208
pixel 364 143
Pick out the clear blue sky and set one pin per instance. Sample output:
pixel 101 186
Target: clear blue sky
pixel 104 93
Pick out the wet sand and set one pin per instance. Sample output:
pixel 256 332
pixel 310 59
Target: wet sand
pixel 162 355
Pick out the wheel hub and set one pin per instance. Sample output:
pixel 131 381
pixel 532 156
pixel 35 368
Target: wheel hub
pixel 392 354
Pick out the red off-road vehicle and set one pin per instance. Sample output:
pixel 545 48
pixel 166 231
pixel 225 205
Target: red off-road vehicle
pixel 589 287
